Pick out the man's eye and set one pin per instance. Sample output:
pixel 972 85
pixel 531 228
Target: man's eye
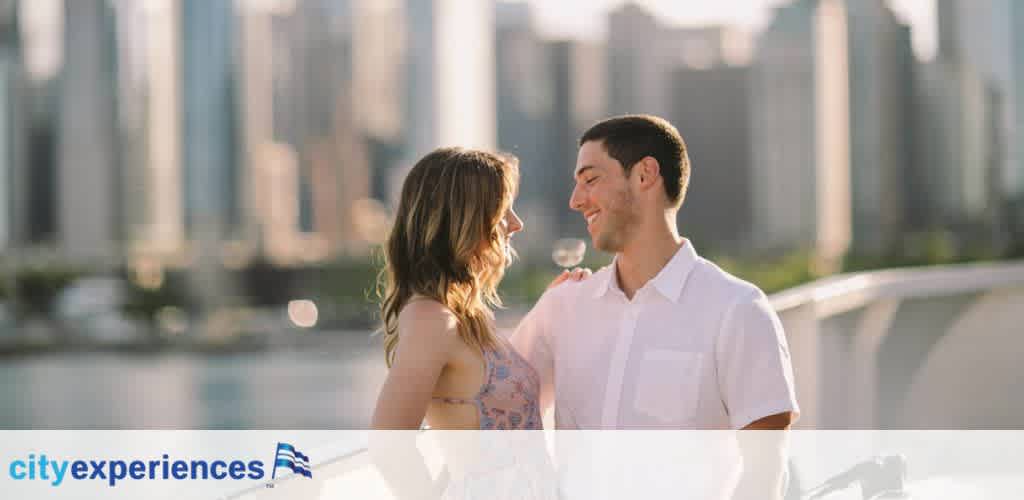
pixel 591 180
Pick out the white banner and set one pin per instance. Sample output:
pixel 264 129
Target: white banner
pixel 493 465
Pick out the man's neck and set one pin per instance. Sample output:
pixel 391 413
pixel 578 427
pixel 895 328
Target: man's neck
pixel 644 259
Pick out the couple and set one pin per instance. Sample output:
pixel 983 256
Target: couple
pixel 659 339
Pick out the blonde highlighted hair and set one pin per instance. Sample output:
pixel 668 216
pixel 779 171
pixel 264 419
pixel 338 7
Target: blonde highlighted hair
pixel 446 243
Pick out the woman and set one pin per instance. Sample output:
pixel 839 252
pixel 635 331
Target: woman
pixel 447 251
pixel 445 256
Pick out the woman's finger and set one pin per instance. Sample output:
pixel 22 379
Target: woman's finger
pixel 561 278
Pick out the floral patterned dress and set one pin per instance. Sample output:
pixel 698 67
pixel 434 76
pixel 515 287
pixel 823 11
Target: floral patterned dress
pixel 506 466
pixel 509 399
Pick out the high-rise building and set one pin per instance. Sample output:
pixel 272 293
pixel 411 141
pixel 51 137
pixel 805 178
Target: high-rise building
pixel 89 221
pixel 130 22
pixel 270 220
pixel 312 65
pixel 162 229
pixel 378 46
pixel 643 53
pixel 579 97
pixel 524 100
pixel 984 40
pixel 707 47
pixel 338 205
pixel 880 90
pixel 14 122
pixel 42 48
pixel 378 84
pixel 315 112
pixel 963 157
pixel 637 73
pixel 36 213
pixel 711 110
pixel 188 192
pixel 211 160
pixel 831 156
pixel 1015 136
pixel 450 63
pixel 955 144
pixel 800 131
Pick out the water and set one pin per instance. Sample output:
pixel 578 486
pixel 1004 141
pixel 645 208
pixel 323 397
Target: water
pixel 330 382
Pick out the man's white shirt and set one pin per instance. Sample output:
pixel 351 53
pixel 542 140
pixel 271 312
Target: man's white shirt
pixel 696 348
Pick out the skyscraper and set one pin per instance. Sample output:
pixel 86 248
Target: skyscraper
pixel 880 62
pixel 579 97
pixel 832 104
pixel 315 112
pixel 132 89
pixel 90 224
pixel 984 40
pixel 637 74
pixel 450 57
pixel 210 128
pixel 269 166
pixel 42 47
pixel 162 230
pixel 960 121
pixel 378 85
pixel 524 118
pixel 800 131
pixel 14 120
pixel 711 109
pixel 1016 133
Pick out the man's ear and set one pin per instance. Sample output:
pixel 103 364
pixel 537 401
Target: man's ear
pixel 648 171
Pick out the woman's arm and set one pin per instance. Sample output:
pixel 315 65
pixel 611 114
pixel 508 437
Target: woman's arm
pixel 428 333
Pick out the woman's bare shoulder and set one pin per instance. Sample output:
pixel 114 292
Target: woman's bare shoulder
pixel 427 320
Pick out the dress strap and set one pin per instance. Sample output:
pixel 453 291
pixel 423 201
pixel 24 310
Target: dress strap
pixel 454 401
pixel 476 400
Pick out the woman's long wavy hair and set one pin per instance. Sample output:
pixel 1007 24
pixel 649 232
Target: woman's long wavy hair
pixel 446 242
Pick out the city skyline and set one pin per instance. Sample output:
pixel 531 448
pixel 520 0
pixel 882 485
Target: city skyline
pixel 564 19
pixel 273 126
pixel 586 18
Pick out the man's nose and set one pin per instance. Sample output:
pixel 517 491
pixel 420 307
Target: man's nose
pixel 576 200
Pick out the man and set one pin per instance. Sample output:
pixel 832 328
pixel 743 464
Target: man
pixel 661 338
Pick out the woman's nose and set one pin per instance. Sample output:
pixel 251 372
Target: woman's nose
pixel 515 225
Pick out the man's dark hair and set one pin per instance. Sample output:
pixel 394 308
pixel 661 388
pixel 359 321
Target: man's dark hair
pixel 630 138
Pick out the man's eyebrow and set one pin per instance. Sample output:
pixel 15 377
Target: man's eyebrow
pixel 583 169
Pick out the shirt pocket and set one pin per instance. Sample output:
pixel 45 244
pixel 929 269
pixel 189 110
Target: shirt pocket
pixel 668 385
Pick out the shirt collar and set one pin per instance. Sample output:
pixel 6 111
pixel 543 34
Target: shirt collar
pixel 607 279
pixel 668 282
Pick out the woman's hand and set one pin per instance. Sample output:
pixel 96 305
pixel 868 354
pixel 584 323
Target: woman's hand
pixel 577 274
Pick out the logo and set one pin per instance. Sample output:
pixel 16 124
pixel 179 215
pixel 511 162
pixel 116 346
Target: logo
pixel 287 456
pixel 163 467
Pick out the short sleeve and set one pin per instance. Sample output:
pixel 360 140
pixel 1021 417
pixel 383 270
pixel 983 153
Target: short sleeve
pixel 755 374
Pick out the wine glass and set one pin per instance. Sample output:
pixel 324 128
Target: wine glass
pixel 569 252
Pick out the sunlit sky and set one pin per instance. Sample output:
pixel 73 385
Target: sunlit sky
pixel 586 18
